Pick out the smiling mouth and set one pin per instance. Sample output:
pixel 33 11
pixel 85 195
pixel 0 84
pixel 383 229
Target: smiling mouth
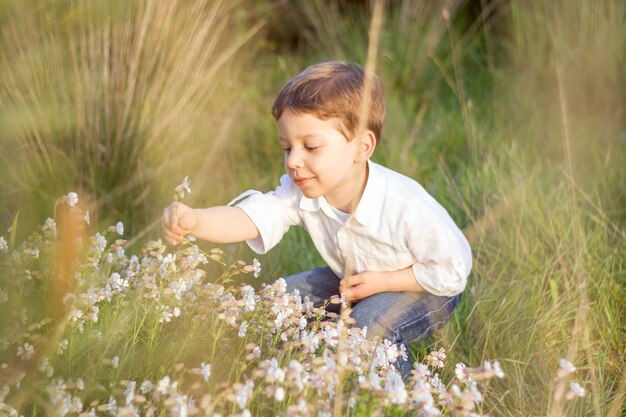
pixel 301 181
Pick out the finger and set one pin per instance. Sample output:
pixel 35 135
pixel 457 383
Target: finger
pixel 172 238
pixel 351 294
pixel 173 218
pixel 171 235
pixel 184 222
pixel 352 280
pixel 165 220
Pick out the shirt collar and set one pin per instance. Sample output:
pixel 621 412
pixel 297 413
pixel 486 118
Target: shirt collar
pixel 370 205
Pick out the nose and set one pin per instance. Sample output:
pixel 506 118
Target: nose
pixel 293 159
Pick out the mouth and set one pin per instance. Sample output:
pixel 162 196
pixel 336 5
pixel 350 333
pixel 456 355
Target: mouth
pixel 301 181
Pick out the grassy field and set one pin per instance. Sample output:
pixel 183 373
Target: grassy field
pixel 511 114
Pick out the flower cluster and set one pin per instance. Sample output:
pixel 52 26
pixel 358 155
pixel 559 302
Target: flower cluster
pixel 261 351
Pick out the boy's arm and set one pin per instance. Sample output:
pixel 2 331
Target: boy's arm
pixel 224 225
pixel 359 286
pixel 215 224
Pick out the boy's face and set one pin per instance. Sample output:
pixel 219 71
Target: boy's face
pixel 320 160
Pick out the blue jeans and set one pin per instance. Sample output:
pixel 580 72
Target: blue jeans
pixel 400 317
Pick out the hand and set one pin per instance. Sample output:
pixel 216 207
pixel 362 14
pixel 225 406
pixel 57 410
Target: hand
pixel 178 220
pixel 360 286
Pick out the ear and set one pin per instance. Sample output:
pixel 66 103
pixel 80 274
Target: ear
pixel 366 144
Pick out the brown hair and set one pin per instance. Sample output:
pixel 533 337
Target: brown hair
pixel 333 89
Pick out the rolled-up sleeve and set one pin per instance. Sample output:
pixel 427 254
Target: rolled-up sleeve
pixel 443 255
pixel 273 213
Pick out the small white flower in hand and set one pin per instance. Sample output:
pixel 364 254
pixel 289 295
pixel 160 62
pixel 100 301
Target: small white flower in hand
pixel 179 191
pixel 186 184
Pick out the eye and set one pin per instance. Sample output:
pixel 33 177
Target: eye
pixel 286 150
pixel 311 148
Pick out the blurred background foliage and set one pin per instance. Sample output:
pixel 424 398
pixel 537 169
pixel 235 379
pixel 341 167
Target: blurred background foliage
pixel 511 113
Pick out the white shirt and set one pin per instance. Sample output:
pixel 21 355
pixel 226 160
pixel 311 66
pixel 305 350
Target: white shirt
pixel 396 224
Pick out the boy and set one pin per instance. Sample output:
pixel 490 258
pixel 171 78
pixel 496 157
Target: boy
pixel 409 261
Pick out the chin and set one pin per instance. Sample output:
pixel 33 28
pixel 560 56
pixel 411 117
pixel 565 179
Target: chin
pixel 311 194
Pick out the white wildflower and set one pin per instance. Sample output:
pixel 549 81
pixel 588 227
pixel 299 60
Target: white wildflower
pixel 3 245
pixel 117 282
pixel 146 387
pixel 130 392
pixel 205 369
pixel 279 395
pixel 394 386
pixel 244 393
pixel 71 199
pixel 281 286
pixel 32 252
pixel 179 287
pixel 466 399
pixel 565 368
pixel 80 384
pixel 186 184
pixel 26 351
pixel 243 328
pixel 248 297
pixel 280 318
pixel 462 373
pixel 486 371
pixel 296 374
pixel 497 369
pixel 101 242
pixel 274 372
pixel 421 394
pixel 436 359
pixel 331 336
pixel 575 390
pixel 76 315
pixel 112 405
pixel 163 385
pixel 94 314
pixel 176 312
pixel 119 228
pixel 115 362
pixel 166 315
pixel 45 367
pixel 257 267
pixel 51 226
pixel 63 344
